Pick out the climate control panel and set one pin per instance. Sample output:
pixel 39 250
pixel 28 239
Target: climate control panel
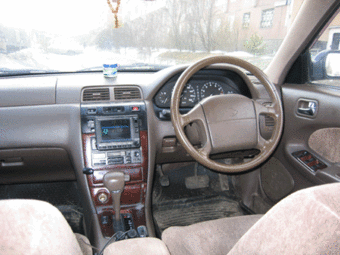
pixel 114 156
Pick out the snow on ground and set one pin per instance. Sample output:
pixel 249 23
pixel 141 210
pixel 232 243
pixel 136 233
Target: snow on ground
pixel 38 59
pixel 90 57
pixel 239 54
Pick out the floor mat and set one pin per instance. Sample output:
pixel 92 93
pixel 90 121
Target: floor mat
pixel 185 212
pixel 74 216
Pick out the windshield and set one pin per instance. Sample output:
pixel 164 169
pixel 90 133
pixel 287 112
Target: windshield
pixel 74 35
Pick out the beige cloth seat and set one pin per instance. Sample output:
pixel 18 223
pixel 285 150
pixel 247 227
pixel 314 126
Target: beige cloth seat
pixel 306 222
pixel 210 237
pixel 37 227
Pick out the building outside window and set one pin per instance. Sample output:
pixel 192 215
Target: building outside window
pixel 267 18
pixel 246 20
pixel 231 21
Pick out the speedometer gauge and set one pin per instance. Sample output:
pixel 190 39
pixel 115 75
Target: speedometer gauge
pixel 211 89
pixel 188 96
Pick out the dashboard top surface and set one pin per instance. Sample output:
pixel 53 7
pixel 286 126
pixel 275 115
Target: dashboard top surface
pixel 66 88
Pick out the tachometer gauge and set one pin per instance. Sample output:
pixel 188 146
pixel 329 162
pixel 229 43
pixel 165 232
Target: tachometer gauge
pixel 211 89
pixel 163 97
pixel 188 96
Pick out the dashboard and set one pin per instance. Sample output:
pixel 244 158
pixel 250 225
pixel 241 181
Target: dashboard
pixel 86 125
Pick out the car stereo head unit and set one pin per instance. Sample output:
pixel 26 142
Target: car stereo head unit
pixel 117 132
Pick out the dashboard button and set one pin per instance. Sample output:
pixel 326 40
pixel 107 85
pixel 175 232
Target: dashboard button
pixel 90 124
pixel 92 111
pixel 135 108
pixel 99 156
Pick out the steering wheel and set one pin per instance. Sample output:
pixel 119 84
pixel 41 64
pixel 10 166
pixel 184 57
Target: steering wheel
pixel 228 122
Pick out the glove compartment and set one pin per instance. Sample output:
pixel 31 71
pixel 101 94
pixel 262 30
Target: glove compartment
pixel 35 165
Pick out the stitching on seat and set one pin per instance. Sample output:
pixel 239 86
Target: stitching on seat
pixel 327 208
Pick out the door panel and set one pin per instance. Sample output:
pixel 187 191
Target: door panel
pixel 306 133
pixel 317 134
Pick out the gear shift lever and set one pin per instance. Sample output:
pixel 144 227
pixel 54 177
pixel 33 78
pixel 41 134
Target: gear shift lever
pixel 115 182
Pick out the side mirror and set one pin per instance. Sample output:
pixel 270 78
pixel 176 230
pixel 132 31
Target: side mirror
pixel 332 64
pixel 325 65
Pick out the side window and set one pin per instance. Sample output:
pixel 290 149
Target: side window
pixel 325 54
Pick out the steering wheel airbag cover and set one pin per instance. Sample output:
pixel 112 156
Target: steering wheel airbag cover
pixel 231 121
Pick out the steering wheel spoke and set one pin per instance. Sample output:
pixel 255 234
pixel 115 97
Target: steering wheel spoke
pixel 205 150
pixel 196 114
pixel 265 110
pixel 262 144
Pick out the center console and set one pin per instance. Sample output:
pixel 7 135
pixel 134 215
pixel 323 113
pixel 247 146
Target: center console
pixel 115 138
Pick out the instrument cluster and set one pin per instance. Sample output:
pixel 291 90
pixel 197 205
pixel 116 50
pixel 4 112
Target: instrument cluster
pixel 196 90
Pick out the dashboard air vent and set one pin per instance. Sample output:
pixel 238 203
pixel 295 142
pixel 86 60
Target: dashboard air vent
pixel 127 93
pixel 98 94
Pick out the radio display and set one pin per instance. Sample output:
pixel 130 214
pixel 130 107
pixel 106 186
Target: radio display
pixel 118 129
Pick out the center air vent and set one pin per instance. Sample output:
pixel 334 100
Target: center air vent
pixel 127 93
pixel 98 94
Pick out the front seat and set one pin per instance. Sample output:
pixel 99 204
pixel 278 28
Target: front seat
pixel 36 227
pixel 306 222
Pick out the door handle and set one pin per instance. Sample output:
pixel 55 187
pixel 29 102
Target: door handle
pixel 11 162
pixel 307 107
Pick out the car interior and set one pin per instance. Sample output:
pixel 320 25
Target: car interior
pixel 216 156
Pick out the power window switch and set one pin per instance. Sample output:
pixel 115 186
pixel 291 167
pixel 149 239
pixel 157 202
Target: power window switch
pixel 309 160
pixel 314 168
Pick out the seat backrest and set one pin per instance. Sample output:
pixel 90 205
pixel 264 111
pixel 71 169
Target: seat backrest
pixel 306 222
pixel 34 227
